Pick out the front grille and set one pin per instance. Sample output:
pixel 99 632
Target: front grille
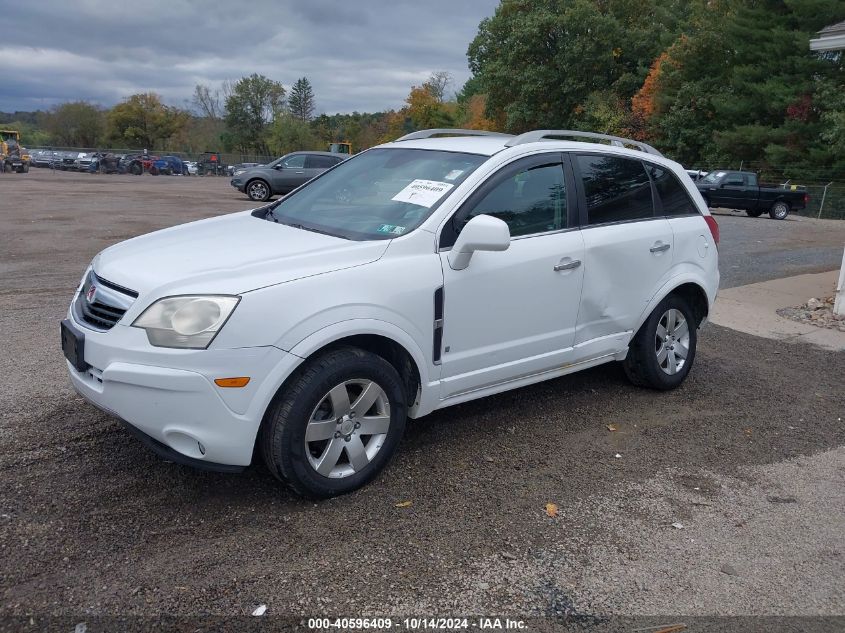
pixel 103 306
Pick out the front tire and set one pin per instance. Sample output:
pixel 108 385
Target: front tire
pixel 663 350
pixel 336 425
pixel 258 190
pixel 779 210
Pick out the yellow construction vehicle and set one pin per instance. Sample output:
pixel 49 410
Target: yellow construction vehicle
pixel 343 147
pixel 13 157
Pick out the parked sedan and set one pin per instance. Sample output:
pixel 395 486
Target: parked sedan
pixel 284 174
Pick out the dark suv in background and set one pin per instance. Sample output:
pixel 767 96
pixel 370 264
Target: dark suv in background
pixel 284 174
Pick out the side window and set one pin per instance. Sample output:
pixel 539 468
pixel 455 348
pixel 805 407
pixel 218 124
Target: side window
pixel 295 162
pixel 672 194
pixel 616 189
pixel 734 180
pixel 316 161
pixel 531 201
pixel 751 180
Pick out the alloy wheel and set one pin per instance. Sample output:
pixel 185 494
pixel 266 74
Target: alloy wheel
pixel 347 428
pixel 671 341
pixel 258 191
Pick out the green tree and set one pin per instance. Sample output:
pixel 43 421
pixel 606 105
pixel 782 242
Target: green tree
pixel 301 100
pixel 289 133
pixel 254 102
pixel 76 124
pixel 142 120
pixel 539 61
pixel 744 86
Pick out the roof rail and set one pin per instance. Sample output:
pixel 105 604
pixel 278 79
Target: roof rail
pixel 448 131
pixel 618 141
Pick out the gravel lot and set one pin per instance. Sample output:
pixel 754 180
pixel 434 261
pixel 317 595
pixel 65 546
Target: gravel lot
pixel 747 457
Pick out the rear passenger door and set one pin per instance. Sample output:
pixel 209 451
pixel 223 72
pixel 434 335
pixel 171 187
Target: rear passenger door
pixel 627 250
pixel 316 164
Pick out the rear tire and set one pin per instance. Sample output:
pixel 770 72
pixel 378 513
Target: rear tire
pixel 320 402
pixel 135 169
pixel 779 210
pixel 753 214
pixel 663 350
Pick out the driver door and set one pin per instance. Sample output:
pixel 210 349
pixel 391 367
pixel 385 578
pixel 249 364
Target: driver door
pixel 512 314
pixel 290 173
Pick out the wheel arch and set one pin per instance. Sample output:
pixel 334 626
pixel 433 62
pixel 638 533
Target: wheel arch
pixel 378 337
pixel 691 289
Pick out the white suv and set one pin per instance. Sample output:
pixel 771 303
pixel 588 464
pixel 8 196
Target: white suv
pixel 411 277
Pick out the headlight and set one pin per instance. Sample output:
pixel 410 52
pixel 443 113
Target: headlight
pixel 238 172
pixel 188 322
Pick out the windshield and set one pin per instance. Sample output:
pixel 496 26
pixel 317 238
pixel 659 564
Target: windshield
pixel 378 194
pixel 712 177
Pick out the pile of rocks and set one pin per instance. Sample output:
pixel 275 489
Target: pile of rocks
pixel 816 312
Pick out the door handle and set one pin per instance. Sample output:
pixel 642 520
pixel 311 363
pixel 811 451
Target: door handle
pixel 571 264
pixel 659 247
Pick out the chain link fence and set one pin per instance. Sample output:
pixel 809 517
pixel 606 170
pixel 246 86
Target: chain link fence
pixel 826 201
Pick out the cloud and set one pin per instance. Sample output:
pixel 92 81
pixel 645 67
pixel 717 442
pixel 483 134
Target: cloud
pixel 362 55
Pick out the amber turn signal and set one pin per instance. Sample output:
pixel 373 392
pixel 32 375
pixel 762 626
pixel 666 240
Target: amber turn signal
pixel 232 382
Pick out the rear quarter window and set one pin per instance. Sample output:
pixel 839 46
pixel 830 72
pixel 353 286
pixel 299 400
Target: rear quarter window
pixel 672 194
pixel 616 189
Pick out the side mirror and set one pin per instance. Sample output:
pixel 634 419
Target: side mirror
pixel 482 233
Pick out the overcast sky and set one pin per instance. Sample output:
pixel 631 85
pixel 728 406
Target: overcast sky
pixel 359 55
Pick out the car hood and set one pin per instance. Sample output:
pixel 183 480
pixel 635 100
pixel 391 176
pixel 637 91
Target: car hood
pixel 229 254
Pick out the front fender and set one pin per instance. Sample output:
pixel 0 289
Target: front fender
pixel 352 327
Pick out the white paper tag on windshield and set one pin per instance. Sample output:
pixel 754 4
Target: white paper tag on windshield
pixel 423 192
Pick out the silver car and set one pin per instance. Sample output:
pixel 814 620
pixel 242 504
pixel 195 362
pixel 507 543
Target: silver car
pixel 284 174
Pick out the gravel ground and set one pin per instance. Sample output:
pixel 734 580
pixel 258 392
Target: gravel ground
pixel 747 455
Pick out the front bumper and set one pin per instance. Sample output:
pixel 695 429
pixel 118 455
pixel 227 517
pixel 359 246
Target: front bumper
pixel 169 395
pixel 238 184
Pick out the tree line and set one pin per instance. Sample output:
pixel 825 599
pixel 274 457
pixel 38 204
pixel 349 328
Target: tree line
pixel 708 82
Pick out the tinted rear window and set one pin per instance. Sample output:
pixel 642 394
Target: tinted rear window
pixel 616 189
pixel 673 195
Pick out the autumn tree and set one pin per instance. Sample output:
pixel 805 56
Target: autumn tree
pixel 142 120
pixel 437 84
pixel 538 61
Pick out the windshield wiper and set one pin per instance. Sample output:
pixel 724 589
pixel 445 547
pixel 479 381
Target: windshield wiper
pixel 308 228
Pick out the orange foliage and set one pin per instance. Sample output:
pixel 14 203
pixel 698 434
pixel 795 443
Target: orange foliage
pixel 642 103
pixel 476 116
pixel 422 107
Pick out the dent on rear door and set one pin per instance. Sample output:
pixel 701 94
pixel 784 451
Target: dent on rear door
pixel 621 275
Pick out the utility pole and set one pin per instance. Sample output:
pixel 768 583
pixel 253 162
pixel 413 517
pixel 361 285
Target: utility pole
pixel 839 300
